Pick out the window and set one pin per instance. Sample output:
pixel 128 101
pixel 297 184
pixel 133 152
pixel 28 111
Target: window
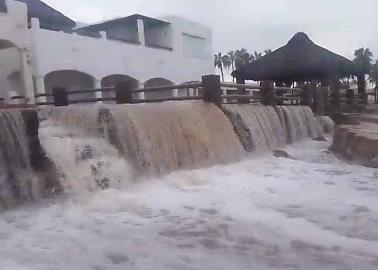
pixel 194 46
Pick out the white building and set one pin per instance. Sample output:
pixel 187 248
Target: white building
pixel 41 48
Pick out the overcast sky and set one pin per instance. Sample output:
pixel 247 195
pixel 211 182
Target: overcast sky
pixel 339 25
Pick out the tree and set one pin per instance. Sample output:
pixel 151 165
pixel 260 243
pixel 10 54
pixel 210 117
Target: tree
pixel 231 55
pixel 373 76
pixel 218 63
pixel 242 58
pixel 256 56
pixel 364 59
pixel 226 62
pixel 268 51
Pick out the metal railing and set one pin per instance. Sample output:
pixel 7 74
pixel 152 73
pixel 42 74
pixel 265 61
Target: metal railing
pixel 210 89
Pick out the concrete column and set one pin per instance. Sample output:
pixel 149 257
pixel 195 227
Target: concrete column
pixel 27 76
pixel 103 35
pixel 175 92
pixel 142 94
pixel 40 88
pixel 141 35
pixel 97 84
pixel 35 24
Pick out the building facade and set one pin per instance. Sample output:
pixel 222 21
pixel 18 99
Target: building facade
pixel 41 48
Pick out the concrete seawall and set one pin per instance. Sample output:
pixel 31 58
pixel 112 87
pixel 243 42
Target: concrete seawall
pixel 356 139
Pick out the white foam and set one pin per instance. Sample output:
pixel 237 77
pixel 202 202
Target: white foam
pixel 266 213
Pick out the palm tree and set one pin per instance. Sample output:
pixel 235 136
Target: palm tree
pixel 257 55
pixel 231 55
pixel 242 58
pixel 226 61
pixel 373 77
pixel 268 51
pixel 364 59
pixel 218 63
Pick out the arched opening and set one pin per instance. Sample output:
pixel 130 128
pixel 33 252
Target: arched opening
pixel 158 94
pixel 15 85
pixel 70 80
pixel 112 80
pixel 4 44
pixel 11 78
pixel 189 92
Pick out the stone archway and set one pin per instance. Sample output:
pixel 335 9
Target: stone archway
pixel 159 94
pixel 70 80
pixel 15 85
pixel 11 76
pixel 112 80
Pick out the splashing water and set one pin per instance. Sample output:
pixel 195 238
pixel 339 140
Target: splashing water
pixel 17 180
pixel 157 138
pixel 262 128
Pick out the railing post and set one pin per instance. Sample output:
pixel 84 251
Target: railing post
pixel 60 96
pixel 241 90
pixel 124 91
pixel 361 82
pixel 308 95
pixel 335 90
pixel 267 93
pixel 350 96
pixel 211 89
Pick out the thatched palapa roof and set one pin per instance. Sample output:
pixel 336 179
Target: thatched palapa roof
pixel 49 18
pixel 299 60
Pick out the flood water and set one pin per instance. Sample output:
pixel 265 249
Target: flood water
pixel 265 212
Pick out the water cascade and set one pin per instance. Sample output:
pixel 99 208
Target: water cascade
pixel 17 180
pixel 262 128
pixel 154 138
pixel 99 146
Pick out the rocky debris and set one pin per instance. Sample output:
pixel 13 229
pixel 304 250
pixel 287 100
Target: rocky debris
pixel 326 124
pixel 282 153
pixel 319 139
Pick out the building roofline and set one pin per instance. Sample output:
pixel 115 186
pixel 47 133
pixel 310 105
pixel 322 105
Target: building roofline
pixel 99 25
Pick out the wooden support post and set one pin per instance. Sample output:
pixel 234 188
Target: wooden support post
pixel 212 90
pixel 124 92
pixel 241 90
pixel 320 100
pixel 308 95
pixel 335 90
pixel 361 82
pixel 350 96
pixel 326 100
pixel 267 93
pixel 60 96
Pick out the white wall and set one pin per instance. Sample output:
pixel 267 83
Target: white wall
pixel 100 57
pixel 14 32
pixel 160 35
pixel 13 24
pixel 43 51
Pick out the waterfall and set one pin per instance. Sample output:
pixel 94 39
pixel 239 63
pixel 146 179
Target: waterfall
pixel 94 147
pixel 299 122
pixel 259 127
pixel 154 139
pixel 264 128
pixel 17 180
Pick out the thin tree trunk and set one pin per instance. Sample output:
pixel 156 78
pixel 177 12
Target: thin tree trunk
pixel 221 68
pixel 233 69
